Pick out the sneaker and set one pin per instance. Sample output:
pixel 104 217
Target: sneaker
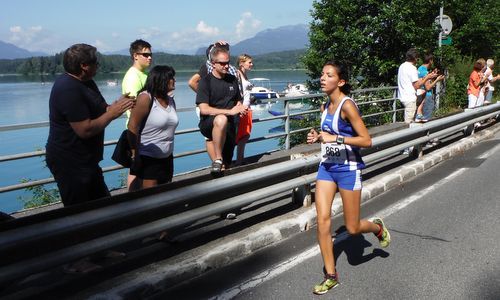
pixel 419 118
pixel 216 166
pixel 231 216
pixel 327 284
pixel 435 142
pixel 384 237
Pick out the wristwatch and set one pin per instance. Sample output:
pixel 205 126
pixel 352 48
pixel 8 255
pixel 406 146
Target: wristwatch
pixel 340 139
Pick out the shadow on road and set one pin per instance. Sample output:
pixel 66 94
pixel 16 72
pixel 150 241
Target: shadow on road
pixel 354 248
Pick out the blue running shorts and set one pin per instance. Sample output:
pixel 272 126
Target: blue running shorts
pixel 346 180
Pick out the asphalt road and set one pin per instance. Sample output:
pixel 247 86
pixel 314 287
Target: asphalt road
pixel 446 245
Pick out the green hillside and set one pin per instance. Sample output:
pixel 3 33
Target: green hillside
pixel 120 63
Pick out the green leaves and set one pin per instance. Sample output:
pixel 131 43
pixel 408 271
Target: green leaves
pixel 375 35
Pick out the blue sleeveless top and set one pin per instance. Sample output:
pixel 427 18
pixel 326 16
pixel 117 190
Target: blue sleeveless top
pixel 347 157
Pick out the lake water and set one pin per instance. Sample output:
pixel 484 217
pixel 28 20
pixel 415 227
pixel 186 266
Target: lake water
pixel 25 100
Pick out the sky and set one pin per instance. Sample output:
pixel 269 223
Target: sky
pixel 51 26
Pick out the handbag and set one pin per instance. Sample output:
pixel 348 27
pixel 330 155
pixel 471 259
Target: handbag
pixel 122 153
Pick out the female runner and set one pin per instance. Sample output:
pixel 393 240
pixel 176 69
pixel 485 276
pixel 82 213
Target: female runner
pixel 342 134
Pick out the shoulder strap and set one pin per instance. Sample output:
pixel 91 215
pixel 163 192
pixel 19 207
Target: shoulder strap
pixel 147 115
pixel 240 82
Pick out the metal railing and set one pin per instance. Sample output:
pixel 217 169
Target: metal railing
pixel 31 247
pixel 363 97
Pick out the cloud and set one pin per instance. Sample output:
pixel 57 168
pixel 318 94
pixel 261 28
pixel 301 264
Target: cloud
pixel 25 36
pixel 206 30
pixel 35 38
pixel 151 32
pixel 102 46
pixel 247 25
pixel 190 38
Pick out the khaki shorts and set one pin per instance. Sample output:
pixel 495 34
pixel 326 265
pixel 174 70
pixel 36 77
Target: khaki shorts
pixel 410 109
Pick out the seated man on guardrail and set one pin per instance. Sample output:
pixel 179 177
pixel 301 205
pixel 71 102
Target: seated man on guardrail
pixel 219 100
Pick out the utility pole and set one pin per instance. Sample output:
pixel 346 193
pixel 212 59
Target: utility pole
pixel 438 85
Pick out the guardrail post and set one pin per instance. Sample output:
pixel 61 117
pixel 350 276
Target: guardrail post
pixel 470 129
pixel 287 124
pixel 301 195
pixel 394 106
pixel 417 151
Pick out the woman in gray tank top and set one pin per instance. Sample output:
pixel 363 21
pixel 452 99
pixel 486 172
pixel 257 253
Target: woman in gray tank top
pixel 152 125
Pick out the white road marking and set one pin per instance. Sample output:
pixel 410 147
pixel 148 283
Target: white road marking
pixel 314 251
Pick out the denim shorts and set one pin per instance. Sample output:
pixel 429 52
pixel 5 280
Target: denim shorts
pixel 346 180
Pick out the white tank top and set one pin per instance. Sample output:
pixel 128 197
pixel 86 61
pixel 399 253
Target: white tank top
pixel 246 87
pixel 157 137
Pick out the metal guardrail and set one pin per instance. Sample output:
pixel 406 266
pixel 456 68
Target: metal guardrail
pixel 34 247
pixel 288 114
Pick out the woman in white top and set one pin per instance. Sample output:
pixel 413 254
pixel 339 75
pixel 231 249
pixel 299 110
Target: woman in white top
pixel 245 64
pixel 152 125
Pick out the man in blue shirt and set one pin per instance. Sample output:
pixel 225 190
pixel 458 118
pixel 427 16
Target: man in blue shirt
pixel 425 109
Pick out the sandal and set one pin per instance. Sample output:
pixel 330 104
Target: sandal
pixel 216 166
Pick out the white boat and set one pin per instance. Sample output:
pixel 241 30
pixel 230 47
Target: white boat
pixel 261 90
pixel 112 82
pixel 298 89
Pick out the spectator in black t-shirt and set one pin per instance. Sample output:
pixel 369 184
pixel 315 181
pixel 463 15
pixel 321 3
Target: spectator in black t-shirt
pixel 219 100
pixel 205 69
pixel 78 115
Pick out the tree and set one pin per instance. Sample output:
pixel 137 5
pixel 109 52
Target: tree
pixel 475 27
pixel 373 36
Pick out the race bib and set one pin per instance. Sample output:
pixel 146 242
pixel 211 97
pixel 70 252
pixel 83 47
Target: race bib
pixel 333 153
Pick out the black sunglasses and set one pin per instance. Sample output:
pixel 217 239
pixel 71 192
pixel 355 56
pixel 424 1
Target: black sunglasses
pixel 145 54
pixel 223 63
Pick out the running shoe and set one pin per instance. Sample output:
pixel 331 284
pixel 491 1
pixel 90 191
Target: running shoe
pixel 327 284
pixel 216 166
pixel 384 236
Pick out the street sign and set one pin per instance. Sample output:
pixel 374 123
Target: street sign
pixel 446 24
pixel 447 41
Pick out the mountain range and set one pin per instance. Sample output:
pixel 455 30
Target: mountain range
pixel 285 38
pixel 292 37
pixel 11 51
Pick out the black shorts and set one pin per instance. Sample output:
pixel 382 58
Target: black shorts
pixel 207 124
pixel 159 169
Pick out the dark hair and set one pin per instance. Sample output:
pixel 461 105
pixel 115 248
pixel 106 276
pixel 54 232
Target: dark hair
pixel 137 46
pixel 411 55
pixel 79 54
pixel 343 73
pixel 428 57
pixel 157 81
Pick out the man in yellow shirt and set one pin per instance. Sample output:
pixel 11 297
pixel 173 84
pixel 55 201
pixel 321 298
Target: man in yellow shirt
pixel 134 80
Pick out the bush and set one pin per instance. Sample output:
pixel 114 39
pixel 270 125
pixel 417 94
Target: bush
pixel 40 196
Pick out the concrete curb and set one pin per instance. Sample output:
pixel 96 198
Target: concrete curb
pixel 159 276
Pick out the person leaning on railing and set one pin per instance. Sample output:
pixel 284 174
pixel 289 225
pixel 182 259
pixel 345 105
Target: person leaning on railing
pixel 78 116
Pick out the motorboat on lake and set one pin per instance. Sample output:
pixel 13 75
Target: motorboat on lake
pixel 261 90
pixel 112 82
pixel 293 90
